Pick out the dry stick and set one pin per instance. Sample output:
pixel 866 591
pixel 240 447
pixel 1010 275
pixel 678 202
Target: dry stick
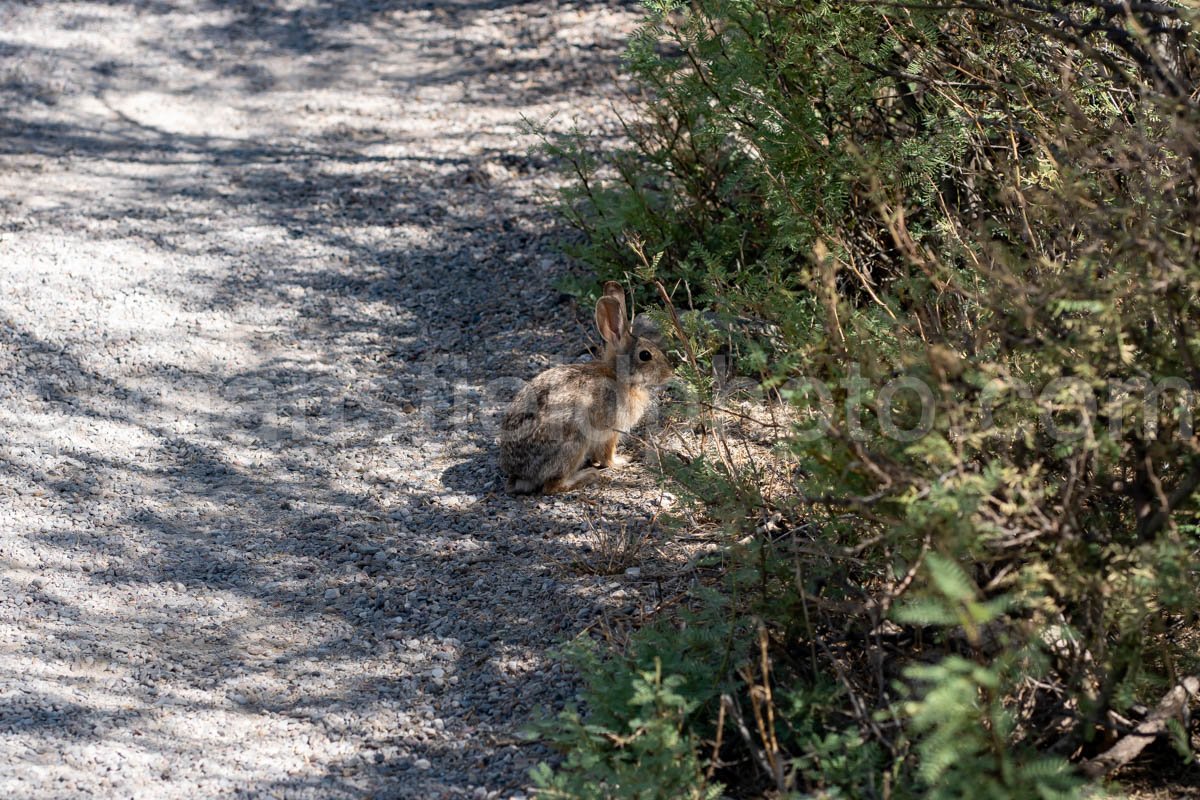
pixel 759 757
pixel 722 446
pixel 865 719
pixel 772 741
pixel 725 452
pixel 716 752
pixel 1187 485
pixel 687 344
pixel 867 284
pixel 1128 748
pixel 746 417
pixel 799 582
pixel 829 294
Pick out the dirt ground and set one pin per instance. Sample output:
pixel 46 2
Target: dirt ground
pixel 268 268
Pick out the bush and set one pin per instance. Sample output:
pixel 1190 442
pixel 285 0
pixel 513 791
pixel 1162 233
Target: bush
pixel 636 742
pixel 972 231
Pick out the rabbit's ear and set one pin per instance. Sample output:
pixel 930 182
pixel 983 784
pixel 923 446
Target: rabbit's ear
pixel 610 319
pixel 613 289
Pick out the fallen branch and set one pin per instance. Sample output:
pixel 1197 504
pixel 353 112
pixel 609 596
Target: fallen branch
pixel 1170 707
pixel 760 757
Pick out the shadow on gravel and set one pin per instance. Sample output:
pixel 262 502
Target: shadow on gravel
pixel 348 477
pixel 464 476
pixel 415 560
pixel 262 46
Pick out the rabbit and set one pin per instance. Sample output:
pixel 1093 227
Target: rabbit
pixel 564 425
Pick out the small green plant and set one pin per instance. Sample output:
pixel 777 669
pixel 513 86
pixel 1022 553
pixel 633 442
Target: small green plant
pixel 832 757
pixel 958 716
pixel 964 737
pixel 635 742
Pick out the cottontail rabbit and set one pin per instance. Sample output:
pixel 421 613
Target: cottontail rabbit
pixel 566 422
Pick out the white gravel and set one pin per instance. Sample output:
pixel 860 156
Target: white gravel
pixel 267 268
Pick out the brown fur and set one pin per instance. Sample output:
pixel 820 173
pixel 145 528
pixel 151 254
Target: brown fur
pixel 569 417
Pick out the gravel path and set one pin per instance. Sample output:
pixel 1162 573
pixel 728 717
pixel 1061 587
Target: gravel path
pixel 264 268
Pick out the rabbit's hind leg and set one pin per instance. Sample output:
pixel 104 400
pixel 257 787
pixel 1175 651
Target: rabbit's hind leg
pixel 580 478
pixel 521 486
pixel 572 473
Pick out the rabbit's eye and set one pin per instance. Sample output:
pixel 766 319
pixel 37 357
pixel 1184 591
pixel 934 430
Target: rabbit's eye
pixel 645 355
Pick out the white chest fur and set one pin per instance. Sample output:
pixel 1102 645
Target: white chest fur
pixel 631 409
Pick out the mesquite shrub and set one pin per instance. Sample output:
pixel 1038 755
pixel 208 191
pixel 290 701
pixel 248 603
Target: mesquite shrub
pixel 972 230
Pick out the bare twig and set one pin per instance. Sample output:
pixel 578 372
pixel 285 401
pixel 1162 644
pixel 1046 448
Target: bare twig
pixel 716 751
pixel 760 758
